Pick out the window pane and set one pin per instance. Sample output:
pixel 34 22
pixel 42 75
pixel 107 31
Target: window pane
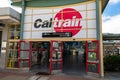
pixel 93 68
pixel 56 65
pixel 14 32
pixel 16 46
pixel 12 28
pixel 17 35
pixel 12 58
pixel 92 56
pixel 12 63
pixel 92 46
pixel 24 55
pixel 12 35
pixel 12 54
pixel 18 28
pixel 56 55
pixel 23 64
pixel 24 45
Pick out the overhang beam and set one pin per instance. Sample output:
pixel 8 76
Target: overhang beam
pixel 51 3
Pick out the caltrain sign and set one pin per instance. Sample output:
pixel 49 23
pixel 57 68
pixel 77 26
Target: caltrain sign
pixel 79 21
pixel 66 20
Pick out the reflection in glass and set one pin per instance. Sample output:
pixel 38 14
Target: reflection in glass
pixel 56 55
pixel 92 56
pixel 56 65
pixel 12 61
pixel 24 55
pixel 34 45
pixel 14 32
pixel 12 35
pixel 12 56
pixel 92 46
pixel 23 63
pixel 92 68
pixel 11 45
pixel 55 45
pixel 24 45
pixel 17 35
pixel 16 45
pixel 12 28
pixel 17 28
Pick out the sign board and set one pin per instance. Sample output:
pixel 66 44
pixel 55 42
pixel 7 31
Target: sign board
pixel 3 47
pixel 78 19
pixel 57 34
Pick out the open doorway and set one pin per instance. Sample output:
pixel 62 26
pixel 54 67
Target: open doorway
pixel 40 56
pixel 74 58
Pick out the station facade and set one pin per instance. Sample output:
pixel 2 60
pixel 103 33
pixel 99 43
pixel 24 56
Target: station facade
pixel 61 36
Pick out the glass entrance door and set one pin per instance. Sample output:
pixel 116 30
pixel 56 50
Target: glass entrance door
pixel 56 61
pixel 92 57
pixel 74 58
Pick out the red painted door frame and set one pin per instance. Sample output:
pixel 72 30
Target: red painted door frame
pixel 51 60
pixel 19 52
pixel 97 51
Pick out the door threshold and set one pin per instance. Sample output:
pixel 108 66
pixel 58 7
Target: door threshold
pixel 42 73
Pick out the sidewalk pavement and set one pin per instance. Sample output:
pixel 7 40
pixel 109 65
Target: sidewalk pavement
pixel 15 75
pixel 27 76
pixel 112 75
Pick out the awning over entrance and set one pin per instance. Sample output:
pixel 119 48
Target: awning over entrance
pixel 8 15
pixel 49 3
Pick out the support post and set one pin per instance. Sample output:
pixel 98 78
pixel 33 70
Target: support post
pixel 22 19
pixel 99 34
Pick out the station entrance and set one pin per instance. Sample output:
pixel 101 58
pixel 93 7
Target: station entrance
pixel 71 57
pixel 40 53
pixel 71 61
pixel 74 58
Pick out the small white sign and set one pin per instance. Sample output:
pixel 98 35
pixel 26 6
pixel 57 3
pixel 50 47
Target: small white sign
pixel 3 49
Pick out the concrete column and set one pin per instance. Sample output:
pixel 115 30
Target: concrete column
pixel 3 48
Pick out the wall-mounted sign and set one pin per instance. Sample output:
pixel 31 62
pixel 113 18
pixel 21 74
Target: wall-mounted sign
pixel 57 34
pixel 3 47
pixel 78 19
pixel 66 20
pixel 43 24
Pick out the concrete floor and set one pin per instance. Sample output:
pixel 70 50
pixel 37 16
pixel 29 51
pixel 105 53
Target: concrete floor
pixel 16 75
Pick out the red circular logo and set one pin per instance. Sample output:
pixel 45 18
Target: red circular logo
pixel 67 20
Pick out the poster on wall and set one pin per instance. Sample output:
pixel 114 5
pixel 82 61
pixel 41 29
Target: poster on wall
pixel 78 19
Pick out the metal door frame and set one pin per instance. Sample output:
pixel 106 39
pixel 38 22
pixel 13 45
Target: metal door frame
pixel 98 56
pixel 19 52
pixel 51 55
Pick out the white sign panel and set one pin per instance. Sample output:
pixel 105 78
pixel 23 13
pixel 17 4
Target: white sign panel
pixel 80 20
pixel 3 47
